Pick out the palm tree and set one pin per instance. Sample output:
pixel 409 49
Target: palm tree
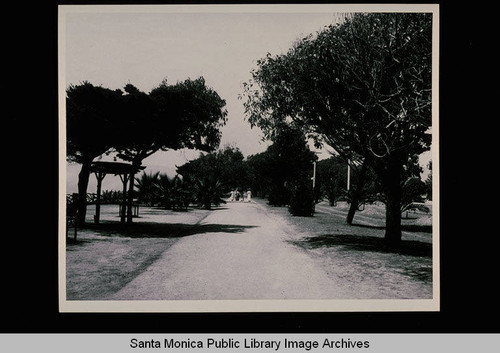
pixel 208 190
pixel 146 187
pixel 180 195
pixel 163 190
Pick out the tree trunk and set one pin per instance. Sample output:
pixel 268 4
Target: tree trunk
pixel 130 198
pixel 207 204
pixel 97 217
pixel 356 193
pixel 83 183
pixel 354 206
pixel 392 186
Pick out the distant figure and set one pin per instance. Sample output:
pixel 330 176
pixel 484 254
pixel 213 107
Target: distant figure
pixel 249 196
pixel 233 195
pixel 236 195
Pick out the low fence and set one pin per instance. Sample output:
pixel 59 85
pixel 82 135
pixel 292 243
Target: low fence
pixel 107 197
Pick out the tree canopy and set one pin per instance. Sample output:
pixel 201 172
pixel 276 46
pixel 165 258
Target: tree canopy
pixel 90 120
pixel 185 115
pixel 370 75
pixel 363 87
pixel 286 162
pixel 212 175
pixel 136 124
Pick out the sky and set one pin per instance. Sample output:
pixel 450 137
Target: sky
pixel 113 46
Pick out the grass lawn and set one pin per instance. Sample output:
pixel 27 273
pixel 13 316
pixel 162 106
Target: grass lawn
pixel 357 257
pixel 106 257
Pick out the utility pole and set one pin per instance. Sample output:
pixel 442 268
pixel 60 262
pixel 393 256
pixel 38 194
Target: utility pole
pixel 314 170
pixel 314 175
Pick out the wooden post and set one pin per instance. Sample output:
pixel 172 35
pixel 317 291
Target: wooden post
pixel 124 178
pixel 100 176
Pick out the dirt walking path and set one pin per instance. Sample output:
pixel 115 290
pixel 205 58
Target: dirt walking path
pixel 245 257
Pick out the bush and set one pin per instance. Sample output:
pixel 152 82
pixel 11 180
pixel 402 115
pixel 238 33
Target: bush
pixel 278 196
pixel 301 198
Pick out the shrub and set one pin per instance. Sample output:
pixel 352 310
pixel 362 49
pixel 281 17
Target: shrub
pixel 301 198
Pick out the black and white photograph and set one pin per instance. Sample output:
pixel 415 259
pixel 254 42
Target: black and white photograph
pixel 248 158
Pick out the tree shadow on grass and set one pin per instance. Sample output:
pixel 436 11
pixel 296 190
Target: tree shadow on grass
pixel 366 243
pixel 163 230
pixel 75 242
pixel 404 227
pixel 161 209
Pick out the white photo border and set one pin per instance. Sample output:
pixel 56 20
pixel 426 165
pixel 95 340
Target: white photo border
pixel 244 306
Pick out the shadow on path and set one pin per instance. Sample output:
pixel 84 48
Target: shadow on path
pixel 365 243
pixel 163 230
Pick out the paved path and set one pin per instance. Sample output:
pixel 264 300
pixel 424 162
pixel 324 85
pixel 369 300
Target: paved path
pixel 244 255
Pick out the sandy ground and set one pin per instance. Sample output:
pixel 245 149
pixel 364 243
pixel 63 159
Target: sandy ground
pixel 248 251
pixel 253 263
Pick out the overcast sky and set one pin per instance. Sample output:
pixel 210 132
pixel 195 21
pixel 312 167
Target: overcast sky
pixel 113 46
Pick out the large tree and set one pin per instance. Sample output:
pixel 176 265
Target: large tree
pixel 363 87
pixel 91 122
pixel 204 177
pixel 136 124
pixel 285 166
pixel 233 171
pixel 185 115
pixel 211 176
pixel 331 179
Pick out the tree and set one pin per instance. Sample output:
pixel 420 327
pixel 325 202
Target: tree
pixel 185 115
pixel 292 165
pixel 331 178
pixel 212 175
pixel 413 189
pixel 180 195
pixel 428 182
pixel 285 166
pixel 363 87
pixel 332 181
pixel 302 202
pixel 91 120
pixel 136 125
pixel 163 191
pixel 146 187
pixel 204 178
pixel 159 189
pixel 233 172
pixel 171 193
pixel 257 174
